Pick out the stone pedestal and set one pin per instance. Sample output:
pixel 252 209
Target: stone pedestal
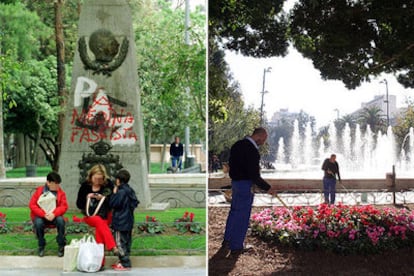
pixel 103 105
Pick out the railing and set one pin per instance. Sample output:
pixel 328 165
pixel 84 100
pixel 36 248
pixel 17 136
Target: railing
pixel 313 197
pixel 179 190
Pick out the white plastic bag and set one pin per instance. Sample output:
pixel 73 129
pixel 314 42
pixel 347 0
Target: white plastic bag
pixel 47 201
pixel 90 255
pixel 71 255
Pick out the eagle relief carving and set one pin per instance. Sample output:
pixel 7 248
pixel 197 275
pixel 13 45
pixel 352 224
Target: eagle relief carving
pixel 109 55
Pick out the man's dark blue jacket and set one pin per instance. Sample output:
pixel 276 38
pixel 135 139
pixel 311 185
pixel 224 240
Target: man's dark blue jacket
pixel 176 151
pixel 244 163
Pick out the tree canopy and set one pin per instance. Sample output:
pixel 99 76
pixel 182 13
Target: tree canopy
pixel 255 28
pixel 350 41
pixel 168 68
pixel 355 41
pixel 171 73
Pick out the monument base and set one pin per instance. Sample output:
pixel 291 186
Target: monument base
pixel 158 206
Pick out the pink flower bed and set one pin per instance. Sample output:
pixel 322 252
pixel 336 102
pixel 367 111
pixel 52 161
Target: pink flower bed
pixel 340 228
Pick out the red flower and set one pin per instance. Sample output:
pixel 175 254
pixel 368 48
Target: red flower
pixel 185 214
pixel 146 218
pixel 191 216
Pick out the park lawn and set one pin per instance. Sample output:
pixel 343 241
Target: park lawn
pixel 22 214
pixel 43 171
pixel 169 243
pixel 156 168
pixel 21 172
pixel 142 245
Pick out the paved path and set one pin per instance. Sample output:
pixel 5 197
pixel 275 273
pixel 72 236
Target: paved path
pixel 170 271
pixel 141 265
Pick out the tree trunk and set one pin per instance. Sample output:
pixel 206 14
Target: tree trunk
pixel 36 147
pixel 7 150
pixel 27 150
pixel 164 148
pixel 20 151
pixel 148 147
pixel 61 75
pixel 2 168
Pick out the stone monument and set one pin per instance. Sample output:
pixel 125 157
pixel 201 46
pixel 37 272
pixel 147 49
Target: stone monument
pixel 103 122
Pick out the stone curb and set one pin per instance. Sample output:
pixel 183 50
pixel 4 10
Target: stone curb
pixel 54 262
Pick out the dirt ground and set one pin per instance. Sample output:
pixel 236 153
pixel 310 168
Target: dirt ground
pixel 265 259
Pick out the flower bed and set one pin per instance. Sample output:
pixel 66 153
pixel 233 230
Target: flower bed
pixel 340 228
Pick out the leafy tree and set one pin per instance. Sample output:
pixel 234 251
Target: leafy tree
pixel 22 31
pixel 64 22
pixel 8 65
pixel 171 73
pixel 21 39
pixel 69 11
pixel 221 85
pixel 9 1
pixel 37 117
pixel 355 41
pixel 228 119
pixel 404 122
pixel 346 119
pixel 255 28
pixel 374 117
pixel 240 122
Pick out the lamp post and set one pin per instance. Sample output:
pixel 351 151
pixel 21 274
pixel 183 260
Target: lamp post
pixel 266 70
pixel 386 100
pixel 188 159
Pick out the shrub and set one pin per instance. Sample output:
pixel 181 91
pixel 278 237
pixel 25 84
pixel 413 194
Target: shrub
pixel 4 226
pixel 151 226
pixel 340 228
pixel 186 224
pixel 77 226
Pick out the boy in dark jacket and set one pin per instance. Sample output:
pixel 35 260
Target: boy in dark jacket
pixel 123 201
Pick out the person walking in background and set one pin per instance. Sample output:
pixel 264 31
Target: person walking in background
pixel 244 172
pixel 93 200
pixel 123 201
pixel 176 153
pixel 331 169
pixel 47 207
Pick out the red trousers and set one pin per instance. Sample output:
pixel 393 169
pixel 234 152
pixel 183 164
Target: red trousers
pixel 103 233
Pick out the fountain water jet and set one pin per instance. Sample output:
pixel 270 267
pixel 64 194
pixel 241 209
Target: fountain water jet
pixel 360 153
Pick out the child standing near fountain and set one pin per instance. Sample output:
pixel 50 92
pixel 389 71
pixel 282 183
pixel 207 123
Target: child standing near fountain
pixel 331 169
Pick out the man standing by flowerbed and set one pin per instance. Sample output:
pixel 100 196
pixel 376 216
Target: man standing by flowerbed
pixel 331 169
pixel 244 172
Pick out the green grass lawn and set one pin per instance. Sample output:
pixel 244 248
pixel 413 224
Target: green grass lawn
pixel 169 243
pixel 156 168
pixel 43 171
pixel 21 172
pixel 22 214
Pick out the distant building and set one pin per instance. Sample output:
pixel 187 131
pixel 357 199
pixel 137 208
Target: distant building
pixel 380 101
pixel 285 115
